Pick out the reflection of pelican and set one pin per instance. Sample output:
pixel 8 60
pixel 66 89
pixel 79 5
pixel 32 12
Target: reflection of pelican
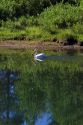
pixel 40 56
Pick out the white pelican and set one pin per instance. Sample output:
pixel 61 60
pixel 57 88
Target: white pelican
pixel 40 56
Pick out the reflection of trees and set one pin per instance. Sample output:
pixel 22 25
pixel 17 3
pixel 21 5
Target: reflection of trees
pixel 66 99
pixel 9 103
pixel 53 85
pixel 59 85
pixel 33 96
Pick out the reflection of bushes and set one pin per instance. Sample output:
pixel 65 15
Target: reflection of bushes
pixel 53 83
pixel 58 84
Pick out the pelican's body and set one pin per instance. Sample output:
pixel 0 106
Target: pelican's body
pixel 40 56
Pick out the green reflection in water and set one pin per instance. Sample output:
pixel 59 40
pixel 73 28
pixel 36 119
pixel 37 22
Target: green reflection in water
pixel 50 86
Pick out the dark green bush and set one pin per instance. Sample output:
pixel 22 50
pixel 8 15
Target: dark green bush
pixel 12 8
pixel 16 8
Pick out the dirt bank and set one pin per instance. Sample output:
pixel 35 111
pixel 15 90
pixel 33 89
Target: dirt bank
pixel 38 45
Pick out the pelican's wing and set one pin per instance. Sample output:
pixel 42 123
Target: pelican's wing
pixel 39 60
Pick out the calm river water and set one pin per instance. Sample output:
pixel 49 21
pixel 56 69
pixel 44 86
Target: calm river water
pixel 41 93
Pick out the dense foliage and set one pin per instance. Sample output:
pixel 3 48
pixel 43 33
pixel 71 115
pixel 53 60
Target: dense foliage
pixel 60 16
pixel 16 8
pixel 28 19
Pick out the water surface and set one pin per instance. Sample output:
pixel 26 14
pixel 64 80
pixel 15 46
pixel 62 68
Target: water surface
pixel 42 93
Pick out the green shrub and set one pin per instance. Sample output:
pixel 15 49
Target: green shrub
pixel 78 28
pixel 8 24
pixel 59 16
pixel 81 4
pixel 32 20
pixel 65 34
pixel 19 24
pixel 37 33
pixel 23 21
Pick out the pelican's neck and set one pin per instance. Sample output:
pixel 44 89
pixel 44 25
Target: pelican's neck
pixel 35 52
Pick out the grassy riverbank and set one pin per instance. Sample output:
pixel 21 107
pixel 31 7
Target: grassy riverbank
pixel 61 23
